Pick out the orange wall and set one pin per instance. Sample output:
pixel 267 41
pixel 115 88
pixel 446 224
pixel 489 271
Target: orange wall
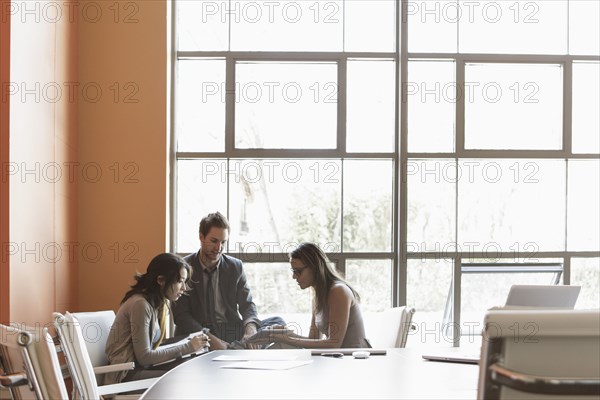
pixel 106 136
pixel 121 214
pixel 42 142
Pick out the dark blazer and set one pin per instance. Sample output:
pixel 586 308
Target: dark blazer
pixel 240 310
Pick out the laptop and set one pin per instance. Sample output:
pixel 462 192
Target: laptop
pixel 454 358
pixel 543 296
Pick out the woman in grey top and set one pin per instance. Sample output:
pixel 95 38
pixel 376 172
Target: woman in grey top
pixel 336 320
pixel 140 327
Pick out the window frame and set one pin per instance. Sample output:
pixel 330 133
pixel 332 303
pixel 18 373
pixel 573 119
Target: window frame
pixel 399 254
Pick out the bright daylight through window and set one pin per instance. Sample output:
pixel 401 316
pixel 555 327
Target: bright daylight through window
pixel 438 151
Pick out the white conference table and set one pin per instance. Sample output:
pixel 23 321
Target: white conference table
pixel 400 374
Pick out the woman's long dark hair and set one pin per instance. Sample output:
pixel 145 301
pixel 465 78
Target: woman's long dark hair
pixel 325 274
pixel 165 264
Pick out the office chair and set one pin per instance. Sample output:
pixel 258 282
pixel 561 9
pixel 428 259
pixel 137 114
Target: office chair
pixel 95 327
pixel 543 354
pixel 390 328
pixel 30 364
pixel 79 360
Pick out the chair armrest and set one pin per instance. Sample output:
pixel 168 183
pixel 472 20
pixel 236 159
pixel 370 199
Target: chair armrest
pixel 124 387
pixel 543 384
pixel 15 379
pixel 104 369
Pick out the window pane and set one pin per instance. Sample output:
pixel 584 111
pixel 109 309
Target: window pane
pixel 513 106
pixel 511 205
pixel 286 105
pixel 431 91
pixel 513 27
pixel 202 25
pixel 369 25
pixel 431 205
pixel 201 189
pixel 370 106
pixel 372 279
pixel 584 27
pixel 368 205
pixel 428 284
pixel 583 199
pixel 286 25
pixel 200 115
pixel 585 272
pixel 275 293
pixel 275 204
pixel 432 26
pixel 586 103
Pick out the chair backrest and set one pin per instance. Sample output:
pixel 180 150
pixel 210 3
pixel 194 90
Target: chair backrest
pixel 76 354
pixel 390 328
pixel 95 327
pixel 540 354
pixel 32 351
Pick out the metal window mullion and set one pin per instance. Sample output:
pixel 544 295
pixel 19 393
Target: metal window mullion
pixel 172 137
pixel 229 30
pixel 229 106
pixel 402 151
pixel 342 75
pixel 284 153
pixel 567 143
pixel 275 257
pixel 284 257
pixel 284 55
pixel 229 125
pixel 509 154
pixel 511 255
pixel 334 56
pixel 567 271
pixel 567 107
pixel 524 154
pixel 340 261
pixel 459 146
pixel 456 299
pixel 456 269
pixel 566 189
pixel 342 186
pixel 504 58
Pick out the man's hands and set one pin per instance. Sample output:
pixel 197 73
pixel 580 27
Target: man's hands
pixel 216 343
pixel 250 330
pixel 271 334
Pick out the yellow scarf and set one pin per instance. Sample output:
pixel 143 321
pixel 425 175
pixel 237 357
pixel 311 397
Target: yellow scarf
pixel 162 320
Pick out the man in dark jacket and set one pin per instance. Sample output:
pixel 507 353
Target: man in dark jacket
pixel 220 298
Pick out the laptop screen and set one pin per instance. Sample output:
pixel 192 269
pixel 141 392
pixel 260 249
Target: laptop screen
pixel 547 296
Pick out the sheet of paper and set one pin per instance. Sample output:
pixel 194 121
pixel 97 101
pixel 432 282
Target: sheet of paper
pixel 257 356
pixel 267 365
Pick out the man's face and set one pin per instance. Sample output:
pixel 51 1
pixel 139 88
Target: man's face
pixel 212 243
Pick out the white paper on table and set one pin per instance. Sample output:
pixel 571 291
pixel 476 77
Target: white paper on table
pixel 257 356
pixel 269 365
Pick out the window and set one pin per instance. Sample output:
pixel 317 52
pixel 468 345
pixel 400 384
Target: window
pixel 408 139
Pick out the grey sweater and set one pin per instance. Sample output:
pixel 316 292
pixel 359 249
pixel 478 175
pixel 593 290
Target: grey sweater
pixel 135 328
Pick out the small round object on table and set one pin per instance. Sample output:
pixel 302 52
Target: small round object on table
pixel 361 354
